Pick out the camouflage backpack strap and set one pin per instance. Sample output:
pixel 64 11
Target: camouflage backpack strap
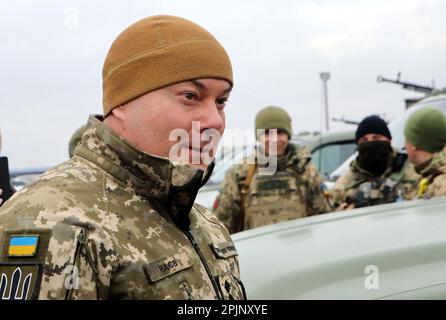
pixel 355 184
pixel 244 189
pixel 397 167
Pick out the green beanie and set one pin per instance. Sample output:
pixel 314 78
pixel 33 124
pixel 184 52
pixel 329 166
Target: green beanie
pixel 426 129
pixel 273 118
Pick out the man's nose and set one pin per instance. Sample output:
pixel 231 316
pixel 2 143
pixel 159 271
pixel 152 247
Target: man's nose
pixel 212 117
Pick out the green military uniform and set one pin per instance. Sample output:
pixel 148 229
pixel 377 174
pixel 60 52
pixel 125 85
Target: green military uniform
pixel 363 188
pixel 293 191
pixel 114 223
pixel 433 173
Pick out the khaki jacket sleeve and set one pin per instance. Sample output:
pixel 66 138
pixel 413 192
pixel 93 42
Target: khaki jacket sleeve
pixel 438 187
pixel 228 210
pixel 339 191
pixel 316 200
pixel 67 259
pixel 78 264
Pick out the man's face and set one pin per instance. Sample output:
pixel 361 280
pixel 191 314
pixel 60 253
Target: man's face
pixel 149 120
pixel 411 152
pixel 372 137
pixel 274 145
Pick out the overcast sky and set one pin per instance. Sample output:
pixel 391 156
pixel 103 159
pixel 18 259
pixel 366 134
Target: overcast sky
pixel 52 54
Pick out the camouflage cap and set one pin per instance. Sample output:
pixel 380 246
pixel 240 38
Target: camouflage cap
pixel 426 129
pixel 273 118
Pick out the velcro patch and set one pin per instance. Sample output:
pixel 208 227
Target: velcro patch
pixel 19 281
pixel 224 249
pixel 23 245
pixel 165 267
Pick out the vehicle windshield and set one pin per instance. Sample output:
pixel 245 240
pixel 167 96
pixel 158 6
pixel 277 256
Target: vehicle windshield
pixel 396 127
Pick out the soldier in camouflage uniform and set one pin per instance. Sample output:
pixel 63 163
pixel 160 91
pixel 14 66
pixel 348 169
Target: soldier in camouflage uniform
pixel 117 220
pixel 251 199
pixel 379 174
pixel 425 134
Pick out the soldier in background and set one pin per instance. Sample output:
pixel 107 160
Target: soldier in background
pixel 118 219
pixel 250 199
pixel 379 174
pixel 425 134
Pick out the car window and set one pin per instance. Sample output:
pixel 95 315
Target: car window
pixel 328 157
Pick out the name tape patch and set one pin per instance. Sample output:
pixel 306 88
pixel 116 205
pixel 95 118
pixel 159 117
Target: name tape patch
pixel 224 249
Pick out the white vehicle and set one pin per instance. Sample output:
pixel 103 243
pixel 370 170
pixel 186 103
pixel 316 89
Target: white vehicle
pixel 389 251
pixel 392 251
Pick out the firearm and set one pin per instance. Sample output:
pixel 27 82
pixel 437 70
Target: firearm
pixel 388 193
pixel 407 85
pixel 346 121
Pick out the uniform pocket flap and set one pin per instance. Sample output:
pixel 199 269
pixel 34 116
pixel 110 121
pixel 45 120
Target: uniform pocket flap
pixel 167 266
pixel 224 250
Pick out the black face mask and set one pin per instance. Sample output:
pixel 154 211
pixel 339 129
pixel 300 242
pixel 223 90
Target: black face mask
pixel 374 156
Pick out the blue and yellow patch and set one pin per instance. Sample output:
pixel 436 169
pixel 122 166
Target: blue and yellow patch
pixel 23 245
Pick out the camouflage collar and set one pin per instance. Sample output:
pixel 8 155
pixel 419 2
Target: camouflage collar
pixel 298 155
pixel 295 156
pixel 433 166
pixel 149 175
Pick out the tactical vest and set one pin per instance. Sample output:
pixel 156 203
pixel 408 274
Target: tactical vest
pixel 370 192
pixel 274 198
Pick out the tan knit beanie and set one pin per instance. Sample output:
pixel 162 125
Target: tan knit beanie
pixel 160 51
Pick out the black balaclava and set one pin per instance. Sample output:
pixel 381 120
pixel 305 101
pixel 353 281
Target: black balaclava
pixel 374 156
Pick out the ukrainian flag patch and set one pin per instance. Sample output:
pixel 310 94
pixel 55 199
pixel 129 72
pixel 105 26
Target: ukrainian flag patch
pixel 23 245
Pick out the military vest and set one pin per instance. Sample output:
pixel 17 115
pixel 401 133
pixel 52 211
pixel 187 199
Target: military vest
pixel 274 198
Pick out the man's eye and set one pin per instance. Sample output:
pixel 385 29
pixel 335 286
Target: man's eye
pixel 222 101
pixel 190 96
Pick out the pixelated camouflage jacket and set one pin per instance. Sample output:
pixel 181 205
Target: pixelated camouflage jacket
pixel 401 178
pixel 305 176
pixel 114 223
pixel 433 172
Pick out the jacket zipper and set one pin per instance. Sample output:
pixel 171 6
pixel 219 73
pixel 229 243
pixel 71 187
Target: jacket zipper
pixel 208 271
